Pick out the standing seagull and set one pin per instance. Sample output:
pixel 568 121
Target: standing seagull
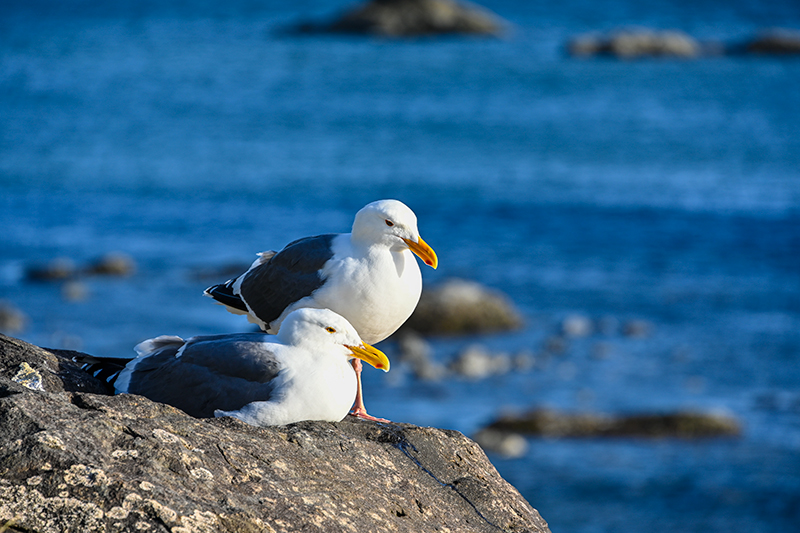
pixel 302 373
pixel 368 276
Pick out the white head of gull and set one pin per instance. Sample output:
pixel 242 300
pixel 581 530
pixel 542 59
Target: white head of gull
pixel 302 373
pixel 368 276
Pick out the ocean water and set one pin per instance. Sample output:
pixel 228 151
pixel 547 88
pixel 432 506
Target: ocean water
pixel 191 135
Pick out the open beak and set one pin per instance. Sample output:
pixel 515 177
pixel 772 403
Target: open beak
pixel 423 251
pixel 370 354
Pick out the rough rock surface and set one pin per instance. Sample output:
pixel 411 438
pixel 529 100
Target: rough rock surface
pixel 73 459
pixel 405 18
pixel 685 425
pixel 459 306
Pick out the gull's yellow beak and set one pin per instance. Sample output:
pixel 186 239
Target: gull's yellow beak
pixel 423 251
pixel 370 354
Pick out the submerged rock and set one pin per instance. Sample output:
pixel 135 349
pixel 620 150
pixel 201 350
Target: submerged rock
pixel 509 445
pixel 577 326
pixel 12 320
pixel 73 459
pixel 556 345
pixel 638 328
pixel 406 18
pixel 58 269
pixel 476 362
pixel 685 425
pixel 524 360
pixel 463 307
pixel 74 291
pixel 417 353
pixel 779 41
pixel 472 362
pixel 635 43
pixel 112 264
pixel 65 269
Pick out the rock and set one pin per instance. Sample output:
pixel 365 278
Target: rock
pixel 586 45
pixel 601 350
pixel 524 360
pixel 504 443
pixel 685 425
pixel 556 345
pixel 74 291
pixel 476 362
pixel 58 269
pixel 112 264
pixel 463 307
pixel 57 371
pixel 638 328
pixel 635 43
pixel 407 18
pixel 577 326
pixel 778 41
pixel 416 352
pixel 12 320
pixel 64 269
pixel 73 459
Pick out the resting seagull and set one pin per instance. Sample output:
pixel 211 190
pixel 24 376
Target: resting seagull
pixel 368 276
pixel 302 373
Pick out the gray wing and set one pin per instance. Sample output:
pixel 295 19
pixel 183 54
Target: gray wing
pixel 290 275
pixel 207 373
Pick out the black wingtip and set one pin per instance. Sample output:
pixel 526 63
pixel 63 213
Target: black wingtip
pixel 223 293
pixel 106 369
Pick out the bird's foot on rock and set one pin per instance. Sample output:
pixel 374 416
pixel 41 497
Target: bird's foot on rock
pixel 360 412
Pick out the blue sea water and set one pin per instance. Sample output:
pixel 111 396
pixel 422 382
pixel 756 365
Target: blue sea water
pixel 191 135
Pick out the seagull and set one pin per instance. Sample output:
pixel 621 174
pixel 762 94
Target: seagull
pixel 302 373
pixel 369 276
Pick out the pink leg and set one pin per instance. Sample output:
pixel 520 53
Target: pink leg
pixel 359 410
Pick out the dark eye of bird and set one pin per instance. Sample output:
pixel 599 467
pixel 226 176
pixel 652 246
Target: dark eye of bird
pixel 389 223
pixel 330 329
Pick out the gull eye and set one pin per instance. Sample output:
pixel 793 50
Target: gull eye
pixel 330 329
pixel 389 223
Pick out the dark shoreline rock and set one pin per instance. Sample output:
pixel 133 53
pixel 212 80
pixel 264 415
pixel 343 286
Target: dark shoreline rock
pixel 409 18
pixel 74 459
pixel 683 425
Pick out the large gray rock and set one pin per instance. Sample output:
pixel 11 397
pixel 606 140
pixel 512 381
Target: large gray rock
pixel 405 18
pixel 459 306
pixel 73 459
